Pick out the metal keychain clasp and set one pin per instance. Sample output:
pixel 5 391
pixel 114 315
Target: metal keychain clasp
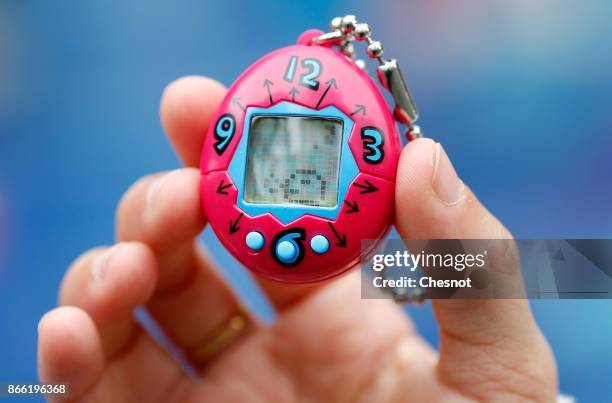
pixel 343 32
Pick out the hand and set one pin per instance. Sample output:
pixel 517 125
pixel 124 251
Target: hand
pixel 327 345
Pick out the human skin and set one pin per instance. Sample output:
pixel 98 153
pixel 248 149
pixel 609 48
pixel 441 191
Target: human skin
pixel 326 345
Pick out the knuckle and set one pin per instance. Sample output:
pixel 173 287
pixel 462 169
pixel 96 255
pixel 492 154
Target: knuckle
pixel 82 263
pixel 135 191
pixel 132 201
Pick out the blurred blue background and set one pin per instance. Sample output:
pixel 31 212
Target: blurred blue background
pixel 518 92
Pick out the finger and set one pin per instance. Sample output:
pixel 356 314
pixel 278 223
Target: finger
pixel 478 337
pixel 187 107
pixel 191 299
pixel 108 284
pixel 163 211
pixel 69 350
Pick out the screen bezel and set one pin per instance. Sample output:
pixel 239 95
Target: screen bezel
pixel 252 122
pixel 287 213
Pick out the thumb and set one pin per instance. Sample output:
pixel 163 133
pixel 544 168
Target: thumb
pixel 487 347
pixel 432 202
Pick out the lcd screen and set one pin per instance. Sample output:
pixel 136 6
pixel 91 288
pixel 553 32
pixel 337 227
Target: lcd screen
pixel 293 160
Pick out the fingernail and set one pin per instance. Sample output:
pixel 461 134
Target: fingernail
pixel 98 269
pixel 446 184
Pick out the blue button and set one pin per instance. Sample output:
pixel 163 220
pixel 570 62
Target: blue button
pixel 255 240
pixel 319 244
pixel 286 251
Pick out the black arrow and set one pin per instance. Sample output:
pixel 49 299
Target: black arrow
pixel 267 84
pixel 329 85
pixel 233 225
pixel 360 109
pixel 236 102
pixel 353 207
pixel 368 187
pixel 293 91
pixel 341 239
pixel 221 188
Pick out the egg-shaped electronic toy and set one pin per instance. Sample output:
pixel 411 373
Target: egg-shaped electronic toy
pixel 298 165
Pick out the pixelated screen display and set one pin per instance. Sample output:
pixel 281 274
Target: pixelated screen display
pixel 293 160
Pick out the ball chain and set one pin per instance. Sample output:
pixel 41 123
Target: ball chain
pixel 345 30
pixel 352 30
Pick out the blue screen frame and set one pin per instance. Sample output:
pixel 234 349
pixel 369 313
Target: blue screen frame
pixel 287 213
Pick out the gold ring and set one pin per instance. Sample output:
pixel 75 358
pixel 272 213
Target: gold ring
pixel 218 340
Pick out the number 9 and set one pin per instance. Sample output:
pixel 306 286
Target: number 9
pixel 224 131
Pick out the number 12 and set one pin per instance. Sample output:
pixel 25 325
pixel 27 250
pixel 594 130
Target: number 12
pixel 312 70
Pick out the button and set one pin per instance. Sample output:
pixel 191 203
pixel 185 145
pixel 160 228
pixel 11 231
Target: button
pixel 319 244
pixel 286 251
pixel 255 240
pixel 287 247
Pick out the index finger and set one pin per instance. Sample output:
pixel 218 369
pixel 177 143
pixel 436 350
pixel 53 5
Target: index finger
pixel 186 109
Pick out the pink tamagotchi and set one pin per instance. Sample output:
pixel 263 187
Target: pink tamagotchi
pixel 298 165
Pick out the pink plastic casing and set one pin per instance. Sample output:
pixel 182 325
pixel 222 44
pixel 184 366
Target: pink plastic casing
pixel 370 193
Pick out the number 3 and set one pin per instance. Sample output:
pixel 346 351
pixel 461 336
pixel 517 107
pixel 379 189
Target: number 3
pixel 372 145
pixel 308 78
